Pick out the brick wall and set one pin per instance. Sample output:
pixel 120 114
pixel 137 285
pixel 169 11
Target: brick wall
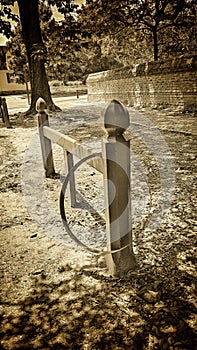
pixel 168 84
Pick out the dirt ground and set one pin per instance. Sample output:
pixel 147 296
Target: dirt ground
pixel 55 295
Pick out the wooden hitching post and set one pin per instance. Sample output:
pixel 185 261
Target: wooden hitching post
pixel 1 110
pixel 116 154
pixel 46 145
pixel 5 113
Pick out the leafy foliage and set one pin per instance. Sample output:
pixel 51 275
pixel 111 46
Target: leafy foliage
pixel 17 58
pixel 73 55
pixel 103 34
pixel 147 19
pixel 6 16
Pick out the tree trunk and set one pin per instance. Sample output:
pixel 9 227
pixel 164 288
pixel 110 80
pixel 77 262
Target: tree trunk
pixel 29 17
pixel 155 43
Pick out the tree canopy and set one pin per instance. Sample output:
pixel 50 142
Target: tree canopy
pixel 99 35
pixel 146 20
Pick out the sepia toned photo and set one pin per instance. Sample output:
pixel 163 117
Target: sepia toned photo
pixel 98 131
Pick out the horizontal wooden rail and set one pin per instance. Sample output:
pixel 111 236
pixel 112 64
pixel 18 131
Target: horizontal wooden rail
pixel 72 146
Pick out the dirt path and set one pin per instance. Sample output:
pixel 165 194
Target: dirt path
pixel 55 296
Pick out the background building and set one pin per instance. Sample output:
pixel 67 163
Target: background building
pixel 8 84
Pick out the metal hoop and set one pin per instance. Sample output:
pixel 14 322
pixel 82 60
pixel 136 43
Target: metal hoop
pixel 63 214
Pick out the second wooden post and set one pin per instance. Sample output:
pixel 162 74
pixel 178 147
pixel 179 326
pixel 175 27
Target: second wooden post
pixel 6 119
pixel 46 146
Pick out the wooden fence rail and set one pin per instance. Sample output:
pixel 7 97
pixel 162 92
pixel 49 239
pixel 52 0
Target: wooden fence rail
pixel 114 164
pixel 72 146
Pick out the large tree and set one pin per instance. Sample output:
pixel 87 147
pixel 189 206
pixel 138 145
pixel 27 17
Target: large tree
pixel 149 18
pixel 36 52
pixel 154 16
pixel 32 37
pixel 72 55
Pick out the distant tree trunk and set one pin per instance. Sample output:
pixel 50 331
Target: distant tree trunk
pixel 29 17
pixel 155 44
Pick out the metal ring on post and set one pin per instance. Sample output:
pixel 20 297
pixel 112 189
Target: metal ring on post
pixel 63 214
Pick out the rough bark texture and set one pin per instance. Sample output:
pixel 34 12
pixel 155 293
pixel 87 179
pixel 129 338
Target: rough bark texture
pixel 155 41
pixel 32 37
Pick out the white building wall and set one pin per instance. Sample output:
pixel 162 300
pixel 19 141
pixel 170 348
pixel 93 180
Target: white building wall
pixel 5 86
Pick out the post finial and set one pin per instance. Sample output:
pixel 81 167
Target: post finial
pixel 116 118
pixel 41 105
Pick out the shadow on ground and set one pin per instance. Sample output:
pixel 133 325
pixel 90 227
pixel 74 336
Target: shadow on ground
pixel 86 310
